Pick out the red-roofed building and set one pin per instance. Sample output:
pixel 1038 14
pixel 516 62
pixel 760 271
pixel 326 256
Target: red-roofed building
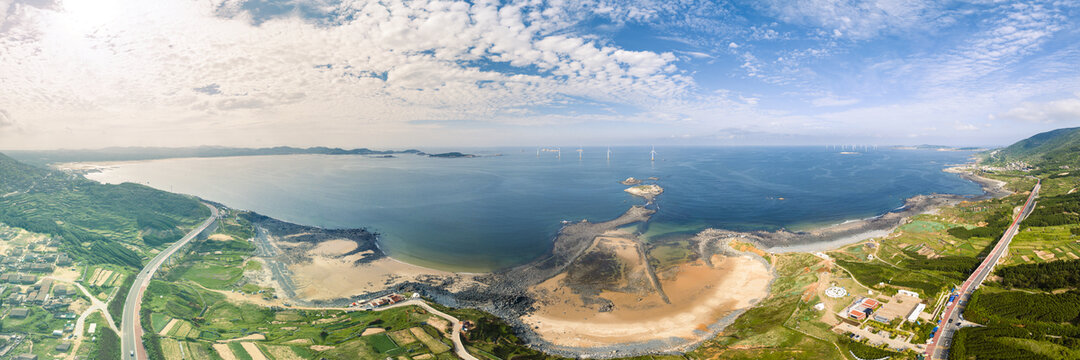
pixel 869 303
pixel 856 314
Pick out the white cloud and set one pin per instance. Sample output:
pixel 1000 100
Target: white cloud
pixel 5 119
pixel 858 19
pixel 129 66
pixel 1018 30
pixel 833 100
pixel 1057 111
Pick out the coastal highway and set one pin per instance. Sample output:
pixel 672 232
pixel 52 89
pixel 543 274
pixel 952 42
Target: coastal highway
pixel 131 337
pixel 950 322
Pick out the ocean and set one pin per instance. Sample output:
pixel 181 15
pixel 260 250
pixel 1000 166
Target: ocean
pixel 506 207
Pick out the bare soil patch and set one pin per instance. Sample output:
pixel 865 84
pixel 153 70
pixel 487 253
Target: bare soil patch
pixel 253 351
pixel 224 352
pixel 220 237
pixel 372 331
pixel 168 327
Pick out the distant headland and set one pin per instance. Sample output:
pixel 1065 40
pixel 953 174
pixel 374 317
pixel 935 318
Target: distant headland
pixel 46 157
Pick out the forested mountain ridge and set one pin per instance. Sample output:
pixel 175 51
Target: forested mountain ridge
pixel 93 222
pixel 1048 151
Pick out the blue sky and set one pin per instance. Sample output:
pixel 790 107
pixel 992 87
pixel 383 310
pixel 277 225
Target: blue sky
pixel 400 73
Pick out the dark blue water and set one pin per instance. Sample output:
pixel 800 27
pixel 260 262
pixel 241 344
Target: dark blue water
pixel 479 214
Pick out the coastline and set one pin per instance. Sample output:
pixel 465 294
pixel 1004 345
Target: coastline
pixel 505 293
pixel 849 232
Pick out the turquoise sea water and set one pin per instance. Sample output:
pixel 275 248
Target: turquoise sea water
pixel 479 214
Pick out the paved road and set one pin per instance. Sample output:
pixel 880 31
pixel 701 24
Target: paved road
pixel 278 270
pixel 455 336
pixel 939 347
pixel 131 337
pixel 95 305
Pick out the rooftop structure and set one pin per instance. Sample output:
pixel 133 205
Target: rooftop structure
pixel 916 312
pixel 19 313
pixel 899 306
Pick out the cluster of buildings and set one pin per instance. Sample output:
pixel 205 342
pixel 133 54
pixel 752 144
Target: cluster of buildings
pixel 379 302
pixel 35 263
pixel 30 294
pixel 1012 166
pixel 861 308
pixel 905 305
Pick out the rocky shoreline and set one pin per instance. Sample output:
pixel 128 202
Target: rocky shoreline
pixel 850 232
pixel 505 293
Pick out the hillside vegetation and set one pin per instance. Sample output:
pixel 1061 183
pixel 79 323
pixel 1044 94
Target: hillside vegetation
pixel 1049 150
pixel 94 222
pixel 1032 311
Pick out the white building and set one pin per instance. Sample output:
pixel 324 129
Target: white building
pixel 915 313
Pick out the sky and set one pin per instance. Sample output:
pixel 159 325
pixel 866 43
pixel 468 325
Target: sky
pixel 400 73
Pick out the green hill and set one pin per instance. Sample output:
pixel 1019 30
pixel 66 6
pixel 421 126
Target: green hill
pixel 94 222
pixel 1049 150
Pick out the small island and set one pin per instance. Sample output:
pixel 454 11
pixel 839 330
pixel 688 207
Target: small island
pixel 454 154
pixel 649 192
pixel 630 181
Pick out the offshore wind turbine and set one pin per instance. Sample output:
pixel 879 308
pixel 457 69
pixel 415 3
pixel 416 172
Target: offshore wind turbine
pixel 652 154
pixel 579 151
pixel 609 153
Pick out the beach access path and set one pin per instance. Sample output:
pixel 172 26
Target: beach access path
pixel 131 344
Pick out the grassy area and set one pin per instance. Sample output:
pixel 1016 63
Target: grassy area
pixel 96 223
pixel 760 332
pixel 159 321
pixel 921 226
pixel 206 318
pixel 214 264
pixel 252 265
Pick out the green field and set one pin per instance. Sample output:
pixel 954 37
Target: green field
pixel 382 343
pixel 923 226
pixel 213 276
pixel 159 321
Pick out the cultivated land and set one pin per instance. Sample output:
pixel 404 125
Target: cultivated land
pixel 249 290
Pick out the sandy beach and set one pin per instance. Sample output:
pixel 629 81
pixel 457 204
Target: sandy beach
pixel 331 274
pixel 571 302
pixel 701 296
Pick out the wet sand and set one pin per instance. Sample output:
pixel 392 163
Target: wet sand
pixel 628 316
pixel 701 296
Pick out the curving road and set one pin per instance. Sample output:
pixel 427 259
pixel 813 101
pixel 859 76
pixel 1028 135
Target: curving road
pixel 939 347
pixel 455 336
pixel 131 332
